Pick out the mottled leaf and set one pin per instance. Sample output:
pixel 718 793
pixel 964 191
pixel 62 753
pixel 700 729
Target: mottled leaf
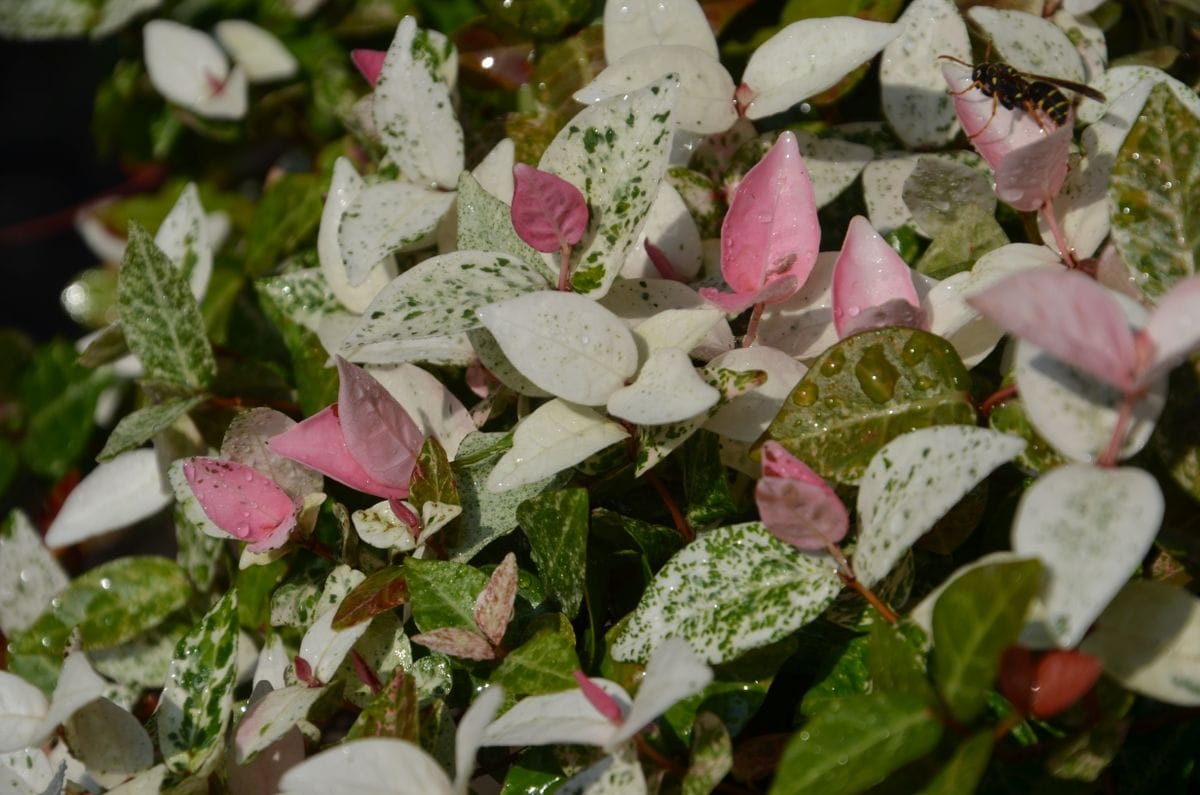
pixel 443 593
pixel 381 591
pixel 556 525
pixel 138 426
pixel 542 664
pixel 29 574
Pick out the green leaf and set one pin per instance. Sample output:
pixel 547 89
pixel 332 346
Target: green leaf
pixel 847 672
pixel 855 743
pixel 316 384
pixel 10 462
pixel 136 428
pixel 29 574
pixel 485 224
pixel 975 619
pixel 655 542
pixel 60 397
pixel 541 19
pixel 142 662
pixel 712 755
pixel 545 663
pixel 391 713
pixel 110 604
pixel 1038 456
pixel 962 773
pixel 199 554
pixel 302 296
pixel 381 591
pixel 443 593
pixel 556 524
pixel 286 218
pixel 161 320
pixel 955 205
pixel 865 391
pixel 537 769
pixel 254 588
pixel 897 661
pixel 1153 193
pixel 705 482
pixel 197 700
pixel 733 589
pixel 432 478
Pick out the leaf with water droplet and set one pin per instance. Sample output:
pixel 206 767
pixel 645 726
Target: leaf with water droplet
pixel 865 391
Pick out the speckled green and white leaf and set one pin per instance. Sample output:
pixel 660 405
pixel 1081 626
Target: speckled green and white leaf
pixel 913 481
pixel 28 771
pixel 1029 43
pixel 160 318
pixel 448 349
pixel 148 782
pixel 564 343
pixel 668 389
pixel 115 494
pixel 1089 40
pixel 492 357
pixel 1148 639
pixel 29 575
pixel 733 589
pixel 271 717
pixel 441 295
pixel 183 237
pixel 1076 413
pixel 712 755
pixel 915 101
pixel 354 292
pixel 322 646
pixel 670 227
pixel 485 224
pixel 809 56
pixel 199 554
pixel 413 111
pixel 384 218
pixel 1155 184
pixel 197 697
pixel 377 765
pixel 55 19
pixel 705 103
pixel 487 514
pixel 883 186
pixel 555 437
pixel 746 417
pixel 1121 82
pixel 142 662
pixel 940 192
pixel 639 301
pixel 619 773
pixel 140 425
pixel 833 164
pixel 616 152
pixel 648 23
pixel 304 296
pixel 379 526
pixel 109 741
pixel 1090 527
pixel 656 442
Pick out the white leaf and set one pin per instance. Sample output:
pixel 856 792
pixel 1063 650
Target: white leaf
pixel 998 264
pixel 802 326
pixel 673 673
pixel 78 685
pixel 684 329
pixel 246 443
pixel 1090 527
pixel 379 526
pixel 110 742
pixel 670 227
pixel 273 662
pixel 387 217
pixel 115 494
pixel 22 707
pixel 469 736
pixel 272 716
pixel 187 67
pixel 1088 38
pixel 557 719
pixel 435 410
pixel 637 302
pixel 1029 43
pixel 148 782
pixel 883 186
pixel 28 772
pixel 1129 86
pixel 1173 327
pixel 667 389
pixel 1148 639
pixel 632 24
pixel 355 295
pixel 564 343
pixel 324 647
pixel 257 51
pixel 619 773
pixel 746 417
pixel 184 238
pixel 1077 413
pixel 414 113
pixel 374 766
pixel 915 100
pixel 705 104
pixel 29 575
pixel 809 56
pixel 913 481
pixel 556 436
pixel 495 172
pixel 833 164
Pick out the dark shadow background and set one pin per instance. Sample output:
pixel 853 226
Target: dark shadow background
pixel 49 167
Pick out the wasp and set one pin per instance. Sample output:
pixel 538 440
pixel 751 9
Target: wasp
pixel 1037 95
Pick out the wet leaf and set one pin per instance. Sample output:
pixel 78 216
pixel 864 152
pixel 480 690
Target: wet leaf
pixel 556 524
pixel 381 591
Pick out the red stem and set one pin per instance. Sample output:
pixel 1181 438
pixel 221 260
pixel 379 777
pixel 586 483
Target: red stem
pixel 752 326
pixel 681 522
pixel 1060 239
pixel 996 398
pixel 846 573
pixel 564 268
pixel 1124 414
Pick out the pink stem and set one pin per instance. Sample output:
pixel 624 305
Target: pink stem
pixel 564 268
pixel 1060 239
pixel 1124 414
pixel 752 326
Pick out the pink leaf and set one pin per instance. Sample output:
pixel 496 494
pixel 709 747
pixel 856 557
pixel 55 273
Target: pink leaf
pixel 494 605
pixel 304 672
pixel 457 643
pixel 771 230
pixel 242 501
pixel 369 63
pixel 795 504
pixel 1069 316
pixel 661 262
pixel 317 442
pixel 548 212
pixel 872 285
pixel 1174 327
pixel 773 292
pixel 603 702
pixel 378 431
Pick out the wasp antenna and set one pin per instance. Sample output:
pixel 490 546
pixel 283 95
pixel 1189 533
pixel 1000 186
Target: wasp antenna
pixel 957 60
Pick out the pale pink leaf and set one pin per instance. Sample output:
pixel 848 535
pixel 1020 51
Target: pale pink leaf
pixel 548 212
pixel 560 718
pixel 494 605
pixel 1069 316
pixel 242 501
pixel 795 504
pixel 872 285
pixel 1174 327
pixel 673 673
pixel 771 230
pixel 603 703
pixel 378 431
pixel 777 462
pixel 773 292
pixel 1032 175
pixel 369 63
pixel 457 642
pixel 317 442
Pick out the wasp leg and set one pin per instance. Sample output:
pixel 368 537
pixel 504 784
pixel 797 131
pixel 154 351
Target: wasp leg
pixel 979 132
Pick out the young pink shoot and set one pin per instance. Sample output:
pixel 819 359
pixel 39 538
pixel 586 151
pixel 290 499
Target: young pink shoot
pixel 605 704
pixel 872 285
pixel 795 504
pixel 493 611
pixel 366 440
pixel 549 214
pixel 661 262
pixel 242 501
pixel 304 672
pixel 770 236
pixel 369 63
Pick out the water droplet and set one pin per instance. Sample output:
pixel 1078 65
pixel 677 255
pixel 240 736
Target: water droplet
pixel 105 583
pixel 916 348
pixel 804 736
pixel 805 394
pixel 922 383
pixel 876 375
pixel 833 363
pixel 242 529
pixel 841 760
